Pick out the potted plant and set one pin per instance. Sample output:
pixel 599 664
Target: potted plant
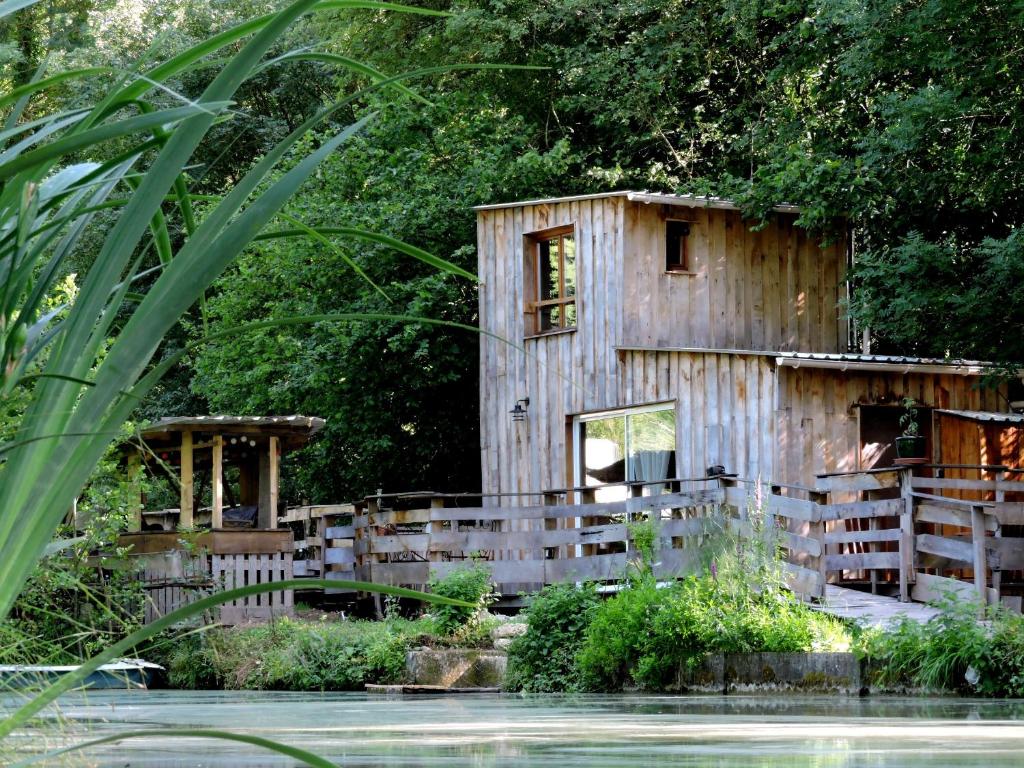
pixel 911 444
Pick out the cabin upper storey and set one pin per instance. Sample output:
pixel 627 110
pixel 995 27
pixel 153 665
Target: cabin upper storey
pixel 637 270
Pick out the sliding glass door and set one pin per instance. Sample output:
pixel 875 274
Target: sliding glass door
pixel 628 445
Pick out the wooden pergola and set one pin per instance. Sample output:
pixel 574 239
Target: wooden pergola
pixel 254 444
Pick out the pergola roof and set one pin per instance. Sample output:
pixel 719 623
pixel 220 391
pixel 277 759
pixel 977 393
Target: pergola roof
pixel 292 430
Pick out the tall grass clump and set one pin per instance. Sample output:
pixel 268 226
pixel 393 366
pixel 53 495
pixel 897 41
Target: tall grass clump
pixel 953 651
pixel 473 586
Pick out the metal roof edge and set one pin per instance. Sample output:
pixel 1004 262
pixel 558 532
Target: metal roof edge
pixel 550 200
pixel 698 201
pixel 655 198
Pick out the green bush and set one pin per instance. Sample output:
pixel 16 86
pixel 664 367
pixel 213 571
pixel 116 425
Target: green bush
pixel 293 655
pixel 646 633
pixel 953 651
pixel 616 636
pixel 1002 666
pixel 545 657
pixel 471 585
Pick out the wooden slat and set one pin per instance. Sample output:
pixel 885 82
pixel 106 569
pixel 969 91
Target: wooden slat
pixel 1007 553
pixel 929 589
pixel 1009 512
pixel 861 481
pixel 948 502
pixel 862 561
pixel 862 509
pixel 592 568
pixel 339 556
pixel 803 581
pixel 953 549
pixel 794 509
pixel 944 515
pixel 339 532
pixel 391 544
pixel 961 484
pixel 851 537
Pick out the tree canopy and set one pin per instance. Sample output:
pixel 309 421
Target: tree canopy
pixel 898 118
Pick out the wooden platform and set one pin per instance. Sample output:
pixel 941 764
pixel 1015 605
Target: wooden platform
pixel 870 610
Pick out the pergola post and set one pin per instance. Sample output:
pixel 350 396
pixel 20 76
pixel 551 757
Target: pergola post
pixel 270 474
pixel 185 517
pixel 217 483
pixel 135 483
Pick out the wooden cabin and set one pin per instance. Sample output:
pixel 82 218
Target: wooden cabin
pixel 634 336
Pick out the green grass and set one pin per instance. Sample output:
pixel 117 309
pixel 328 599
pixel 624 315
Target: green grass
pixel 293 655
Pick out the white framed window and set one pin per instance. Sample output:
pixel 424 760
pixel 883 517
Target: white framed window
pixel 636 444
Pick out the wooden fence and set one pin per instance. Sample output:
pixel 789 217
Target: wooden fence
pixel 529 546
pixel 177 569
pixel 323 542
pixel 879 530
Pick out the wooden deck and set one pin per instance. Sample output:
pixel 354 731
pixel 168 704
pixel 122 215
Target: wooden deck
pixel 870 610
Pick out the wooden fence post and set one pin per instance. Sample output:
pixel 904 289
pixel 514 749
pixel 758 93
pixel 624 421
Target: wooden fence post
pixel 817 532
pixel 999 497
pixel 978 546
pixel 906 535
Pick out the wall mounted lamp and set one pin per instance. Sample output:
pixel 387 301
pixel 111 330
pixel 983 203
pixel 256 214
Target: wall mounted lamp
pixel 519 412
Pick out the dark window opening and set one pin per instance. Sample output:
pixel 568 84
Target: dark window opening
pixel 677 251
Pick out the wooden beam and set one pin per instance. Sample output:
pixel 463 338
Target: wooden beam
pixel 217 480
pixel 135 483
pixel 187 486
pixel 907 565
pixel 273 481
pixel 978 547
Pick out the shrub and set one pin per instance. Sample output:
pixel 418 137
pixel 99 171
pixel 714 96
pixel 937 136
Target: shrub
pixel 545 657
pixel 617 635
pixel 645 634
pixel 293 655
pixel 952 651
pixel 1002 666
pixel 471 585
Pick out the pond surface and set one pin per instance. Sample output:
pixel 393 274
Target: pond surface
pixel 363 731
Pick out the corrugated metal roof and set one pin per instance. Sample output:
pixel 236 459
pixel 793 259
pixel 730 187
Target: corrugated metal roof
pixel 858 357
pixel 852 361
pixel 662 198
pixel 1001 418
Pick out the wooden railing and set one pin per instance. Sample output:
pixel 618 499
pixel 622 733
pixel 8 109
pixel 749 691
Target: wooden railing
pixel 176 569
pixel 323 541
pixel 409 539
pixel 879 530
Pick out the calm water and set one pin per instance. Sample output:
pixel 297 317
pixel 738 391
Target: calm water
pixel 358 730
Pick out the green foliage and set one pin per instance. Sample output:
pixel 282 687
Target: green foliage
pixel 545 657
pixel 908 419
pixel 293 655
pixel 644 535
pixel 72 606
pixel 471 584
pixel 398 397
pixel 953 651
pixel 645 634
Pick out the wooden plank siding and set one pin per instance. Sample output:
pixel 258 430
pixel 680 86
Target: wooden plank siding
pixel 702 340
pixel 733 296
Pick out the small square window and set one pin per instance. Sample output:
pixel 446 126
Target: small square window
pixel 677 249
